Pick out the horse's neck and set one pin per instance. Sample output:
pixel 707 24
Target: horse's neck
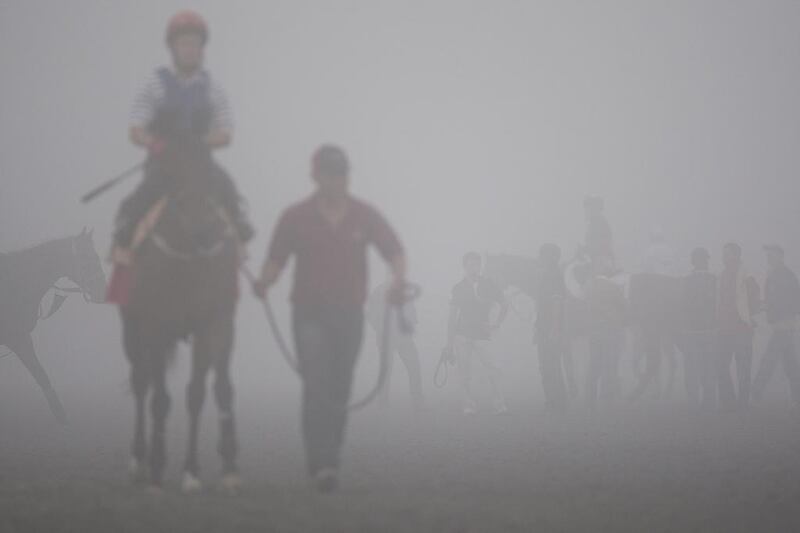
pixel 38 268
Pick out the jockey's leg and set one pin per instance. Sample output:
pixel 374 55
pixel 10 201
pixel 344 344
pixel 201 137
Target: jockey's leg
pixel 23 348
pixel 232 202
pixel 136 205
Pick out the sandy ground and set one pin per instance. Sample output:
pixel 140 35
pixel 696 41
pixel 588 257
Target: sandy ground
pixel 652 468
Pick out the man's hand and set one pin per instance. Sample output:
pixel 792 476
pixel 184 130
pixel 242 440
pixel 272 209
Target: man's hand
pixel 260 289
pixel 396 295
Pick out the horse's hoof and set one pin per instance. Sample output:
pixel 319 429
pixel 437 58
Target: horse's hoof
pixel 137 471
pixel 191 484
pixel 231 483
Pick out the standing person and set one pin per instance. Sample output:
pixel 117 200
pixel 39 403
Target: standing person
pixel 401 342
pixel 180 116
pixel 699 310
pixel 328 234
pixel 738 302
pixel 607 312
pixel 469 330
pixel 599 240
pixel 782 305
pixel 549 329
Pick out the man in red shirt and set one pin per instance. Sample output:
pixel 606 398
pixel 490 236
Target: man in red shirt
pixel 328 234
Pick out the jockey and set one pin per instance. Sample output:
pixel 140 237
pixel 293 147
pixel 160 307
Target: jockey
pixel 181 114
pixel 599 240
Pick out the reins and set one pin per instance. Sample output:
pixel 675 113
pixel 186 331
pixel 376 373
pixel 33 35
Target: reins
pixel 412 292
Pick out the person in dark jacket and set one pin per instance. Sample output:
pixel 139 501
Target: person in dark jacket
pixel 738 301
pixel 781 305
pixel 699 331
pixel 550 338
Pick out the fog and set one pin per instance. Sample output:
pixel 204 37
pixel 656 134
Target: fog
pixel 473 125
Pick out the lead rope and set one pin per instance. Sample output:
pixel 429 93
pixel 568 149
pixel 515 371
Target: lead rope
pixel 412 292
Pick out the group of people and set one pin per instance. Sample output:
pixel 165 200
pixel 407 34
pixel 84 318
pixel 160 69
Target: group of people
pixel 710 318
pixel 182 115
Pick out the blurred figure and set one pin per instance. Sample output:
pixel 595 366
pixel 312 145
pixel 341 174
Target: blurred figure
pixel 599 240
pixel 738 302
pixel 328 234
pixel 180 116
pixel 549 329
pixel 699 331
pixel 607 312
pixel 401 343
pixel 659 257
pixel 781 304
pixel 469 330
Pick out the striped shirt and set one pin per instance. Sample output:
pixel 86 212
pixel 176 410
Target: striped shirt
pixel 151 95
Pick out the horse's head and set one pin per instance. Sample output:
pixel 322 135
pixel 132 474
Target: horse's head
pixel 87 271
pixel 194 223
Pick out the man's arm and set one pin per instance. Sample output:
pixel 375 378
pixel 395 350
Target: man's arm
pixel 278 253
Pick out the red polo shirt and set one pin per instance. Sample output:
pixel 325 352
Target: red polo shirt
pixel 331 261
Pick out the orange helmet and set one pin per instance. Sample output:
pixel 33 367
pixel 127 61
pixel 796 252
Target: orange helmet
pixel 186 22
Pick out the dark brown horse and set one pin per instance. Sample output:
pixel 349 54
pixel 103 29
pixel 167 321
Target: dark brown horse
pixel 184 287
pixel 25 277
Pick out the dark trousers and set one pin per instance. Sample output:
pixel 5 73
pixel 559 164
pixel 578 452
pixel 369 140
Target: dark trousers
pixel 328 341
pixel 735 346
pixel 699 367
pixel 551 355
pixel 781 347
pixel 157 182
pixel 602 377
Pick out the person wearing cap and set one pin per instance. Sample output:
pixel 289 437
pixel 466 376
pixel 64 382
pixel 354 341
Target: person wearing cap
pixel 550 335
pixel 738 302
pixel 179 116
pixel 469 331
pixel 699 327
pixel 328 234
pixel 781 306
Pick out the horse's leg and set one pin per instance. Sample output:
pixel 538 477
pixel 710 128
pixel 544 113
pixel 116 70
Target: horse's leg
pixel 23 347
pixel 159 406
pixel 218 340
pixel 195 397
pixel 140 383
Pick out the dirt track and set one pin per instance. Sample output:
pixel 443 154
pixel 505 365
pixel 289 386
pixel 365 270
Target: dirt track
pixel 648 469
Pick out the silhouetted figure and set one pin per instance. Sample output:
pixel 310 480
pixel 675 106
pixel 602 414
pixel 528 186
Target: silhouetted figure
pixel 782 305
pixel 550 332
pixel 469 330
pixel 738 301
pixel 401 343
pixel 700 331
pixel 179 116
pixel 607 313
pixel 329 234
pixel 25 278
pixel 599 240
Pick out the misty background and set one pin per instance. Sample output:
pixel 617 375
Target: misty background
pixel 473 125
